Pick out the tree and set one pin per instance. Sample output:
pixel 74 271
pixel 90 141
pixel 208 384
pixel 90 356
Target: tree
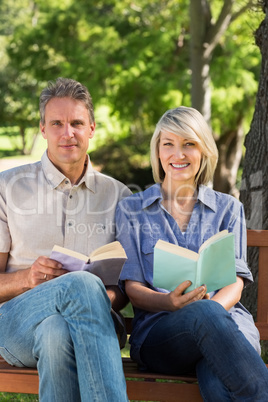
pixel 254 188
pixel 18 89
pixel 134 57
pixel 208 25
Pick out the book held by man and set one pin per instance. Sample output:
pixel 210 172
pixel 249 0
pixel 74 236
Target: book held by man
pixel 213 265
pixel 106 261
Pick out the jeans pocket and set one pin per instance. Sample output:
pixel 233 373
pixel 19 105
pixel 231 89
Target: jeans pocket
pixel 9 358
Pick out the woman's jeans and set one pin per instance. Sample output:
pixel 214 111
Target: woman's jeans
pixel 203 337
pixel 65 329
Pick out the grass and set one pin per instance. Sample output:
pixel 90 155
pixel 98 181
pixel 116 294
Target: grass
pixel 18 397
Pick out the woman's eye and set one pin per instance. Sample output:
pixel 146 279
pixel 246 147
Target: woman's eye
pixel 190 144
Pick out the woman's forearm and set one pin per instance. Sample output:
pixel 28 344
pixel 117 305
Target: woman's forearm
pixel 230 295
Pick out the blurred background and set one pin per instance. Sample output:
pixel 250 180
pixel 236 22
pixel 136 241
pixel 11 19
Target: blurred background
pixel 138 59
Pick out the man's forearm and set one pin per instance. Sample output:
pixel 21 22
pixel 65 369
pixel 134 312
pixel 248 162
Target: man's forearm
pixel 13 284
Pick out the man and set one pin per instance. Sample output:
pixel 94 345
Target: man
pixel 57 321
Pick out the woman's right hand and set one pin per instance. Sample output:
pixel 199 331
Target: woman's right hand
pixel 178 299
pixel 150 300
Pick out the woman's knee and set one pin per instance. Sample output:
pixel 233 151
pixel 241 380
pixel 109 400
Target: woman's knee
pixel 205 309
pixel 202 313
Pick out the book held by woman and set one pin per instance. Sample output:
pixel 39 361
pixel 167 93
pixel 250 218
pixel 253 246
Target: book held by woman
pixel 213 265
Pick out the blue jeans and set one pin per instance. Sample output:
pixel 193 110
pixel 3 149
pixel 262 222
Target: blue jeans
pixel 65 329
pixel 203 338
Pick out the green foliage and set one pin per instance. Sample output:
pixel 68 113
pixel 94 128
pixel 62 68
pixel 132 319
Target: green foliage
pixel 134 58
pixel 127 160
pixel 234 73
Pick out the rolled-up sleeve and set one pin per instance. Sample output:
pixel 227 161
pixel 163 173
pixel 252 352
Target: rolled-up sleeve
pixel 238 227
pixel 127 233
pixel 5 239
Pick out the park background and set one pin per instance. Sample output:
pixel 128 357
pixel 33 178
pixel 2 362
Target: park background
pixel 139 58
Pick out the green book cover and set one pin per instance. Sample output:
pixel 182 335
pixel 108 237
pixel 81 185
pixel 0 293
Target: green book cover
pixel 213 265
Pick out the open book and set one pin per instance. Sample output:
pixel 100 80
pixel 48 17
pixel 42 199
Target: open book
pixel 213 265
pixel 106 261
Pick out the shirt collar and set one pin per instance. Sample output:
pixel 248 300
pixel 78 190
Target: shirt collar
pixel 151 194
pixel 205 195
pixel 55 177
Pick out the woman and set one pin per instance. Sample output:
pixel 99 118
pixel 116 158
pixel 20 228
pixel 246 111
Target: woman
pixel 173 332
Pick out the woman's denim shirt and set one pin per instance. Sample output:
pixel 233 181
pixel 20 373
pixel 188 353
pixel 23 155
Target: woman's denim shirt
pixel 141 220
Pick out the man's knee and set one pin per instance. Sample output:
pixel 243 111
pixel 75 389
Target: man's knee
pixel 52 337
pixel 83 279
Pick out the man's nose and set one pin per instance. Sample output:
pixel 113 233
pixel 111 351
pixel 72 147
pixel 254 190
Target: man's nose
pixel 68 131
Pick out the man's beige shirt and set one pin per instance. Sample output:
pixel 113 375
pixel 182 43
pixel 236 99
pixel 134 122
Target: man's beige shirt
pixel 40 208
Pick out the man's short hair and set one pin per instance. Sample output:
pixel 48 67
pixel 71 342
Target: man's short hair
pixel 65 87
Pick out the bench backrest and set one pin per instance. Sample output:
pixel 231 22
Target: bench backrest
pixel 259 238
pixel 255 238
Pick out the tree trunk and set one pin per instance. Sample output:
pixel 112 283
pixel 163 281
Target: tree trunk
pixel 230 153
pixel 200 20
pixel 23 139
pixel 254 189
pixel 205 35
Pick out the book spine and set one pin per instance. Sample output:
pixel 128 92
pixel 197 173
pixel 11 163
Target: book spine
pixel 198 274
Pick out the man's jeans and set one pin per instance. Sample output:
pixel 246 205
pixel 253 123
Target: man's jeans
pixel 203 337
pixel 64 327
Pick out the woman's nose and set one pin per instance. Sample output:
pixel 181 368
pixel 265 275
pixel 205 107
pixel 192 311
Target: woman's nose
pixel 179 152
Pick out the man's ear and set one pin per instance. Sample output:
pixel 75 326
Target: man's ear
pixel 92 130
pixel 42 129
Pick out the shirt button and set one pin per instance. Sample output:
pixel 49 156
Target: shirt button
pixel 69 223
pixel 70 196
pixel 66 182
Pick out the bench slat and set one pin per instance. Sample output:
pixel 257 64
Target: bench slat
pixel 167 392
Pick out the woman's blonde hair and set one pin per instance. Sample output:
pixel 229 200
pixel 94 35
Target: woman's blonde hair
pixel 187 123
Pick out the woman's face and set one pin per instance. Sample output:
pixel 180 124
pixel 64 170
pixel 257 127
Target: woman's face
pixel 180 158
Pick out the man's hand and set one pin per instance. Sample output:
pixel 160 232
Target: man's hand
pixel 44 269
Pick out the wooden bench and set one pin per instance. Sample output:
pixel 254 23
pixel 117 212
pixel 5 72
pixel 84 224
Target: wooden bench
pixel 150 386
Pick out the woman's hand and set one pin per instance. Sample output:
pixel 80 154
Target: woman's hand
pixel 150 300
pixel 178 299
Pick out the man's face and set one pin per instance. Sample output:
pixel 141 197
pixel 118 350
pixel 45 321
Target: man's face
pixel 67 130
